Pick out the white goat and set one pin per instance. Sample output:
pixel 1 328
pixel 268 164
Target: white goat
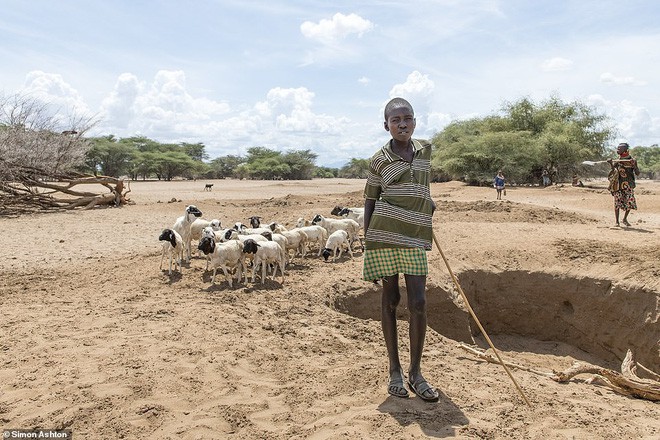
pixel 301 223
pixel 332 224
pixel 172 247
pixel 337 241
pixel 283 242
pixel 233 234
pixel 199 224
pixel 244 230
pixel 226 256
pixel 315 234
pixel 265 253
pixel 182 226
pixel 354 214
pixel 296 241
pixel 255 222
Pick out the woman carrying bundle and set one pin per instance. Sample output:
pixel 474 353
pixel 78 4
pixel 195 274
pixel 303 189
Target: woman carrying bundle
pixel 622 182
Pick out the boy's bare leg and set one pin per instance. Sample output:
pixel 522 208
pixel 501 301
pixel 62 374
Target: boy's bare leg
pixel 390 300
pixel 416 289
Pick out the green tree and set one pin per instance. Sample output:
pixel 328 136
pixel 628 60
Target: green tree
pixel 144 164
pixel 326 172
pixel 648 160
pixel 300 163
pixel 171 164
pixel 257 153
pixel 195 151
pixel 225 166
pixel 522 141
pixel 142 143
pixel 263 163
pixel 355 169
pixel 109 157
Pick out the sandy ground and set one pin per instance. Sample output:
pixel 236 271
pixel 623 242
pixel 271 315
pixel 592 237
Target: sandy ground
pixel 96 339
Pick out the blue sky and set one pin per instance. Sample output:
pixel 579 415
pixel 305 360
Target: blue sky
pixel 294 75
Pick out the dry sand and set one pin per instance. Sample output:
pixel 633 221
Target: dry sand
pixel 96 339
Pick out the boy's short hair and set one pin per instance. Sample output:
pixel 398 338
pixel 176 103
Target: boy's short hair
pixel 397 103
pixel 624 145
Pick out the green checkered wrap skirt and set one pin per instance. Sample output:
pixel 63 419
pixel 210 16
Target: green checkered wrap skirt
pixel 379 263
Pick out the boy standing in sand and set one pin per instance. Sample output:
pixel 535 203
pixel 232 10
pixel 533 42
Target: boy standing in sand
pixel 398 213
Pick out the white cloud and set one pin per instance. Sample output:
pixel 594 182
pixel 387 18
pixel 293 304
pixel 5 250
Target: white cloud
pixel 118 108
pixel 633 123
pixel 418 90
pixel 52 89
pixel 292 112
pixel 416 87
pixel 162 109
pixel 556 64
pixel 165 111
pixel 364 80
pixel 438 121
pixel 608 77
pixel 339 27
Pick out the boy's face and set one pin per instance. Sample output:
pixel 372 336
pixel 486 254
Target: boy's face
pixel 401 124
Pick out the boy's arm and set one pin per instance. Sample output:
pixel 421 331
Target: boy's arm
pixel 369 205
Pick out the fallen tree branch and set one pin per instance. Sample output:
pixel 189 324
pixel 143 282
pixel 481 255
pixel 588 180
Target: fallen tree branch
pixel 626 382
pixel 493 360
pixel 34 188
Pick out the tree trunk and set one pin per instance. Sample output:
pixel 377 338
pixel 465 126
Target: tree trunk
pixel 31 189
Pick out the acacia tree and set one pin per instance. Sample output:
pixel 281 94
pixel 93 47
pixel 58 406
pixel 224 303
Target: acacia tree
pixel 355 169
pixel 40 152
pixel 225 166
pixel 522 141
pixel 110 157
pixel 648 160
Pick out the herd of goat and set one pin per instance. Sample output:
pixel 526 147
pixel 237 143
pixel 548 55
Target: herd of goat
pixel 269 247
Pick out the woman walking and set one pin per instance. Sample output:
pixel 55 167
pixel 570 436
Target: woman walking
pixel 622 182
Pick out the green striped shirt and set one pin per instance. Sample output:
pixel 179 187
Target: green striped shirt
pixel 403 215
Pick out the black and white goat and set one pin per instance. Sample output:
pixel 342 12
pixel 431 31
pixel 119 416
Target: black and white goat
pixel 333 224
pixel 226 256
pixel 354 214
pixel 172 247
pixel 337 242
pixel 265 253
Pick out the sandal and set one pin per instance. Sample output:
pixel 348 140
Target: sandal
pixel 424 391
pixel 395 387
pixel 625 222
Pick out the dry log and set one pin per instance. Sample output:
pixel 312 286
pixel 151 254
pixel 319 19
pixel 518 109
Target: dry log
pixel 626 382
pixel 36 188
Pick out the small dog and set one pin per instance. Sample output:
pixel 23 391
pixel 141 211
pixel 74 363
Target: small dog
pixel 208 187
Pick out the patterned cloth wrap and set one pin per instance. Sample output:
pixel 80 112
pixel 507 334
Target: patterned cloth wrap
pixel 622 184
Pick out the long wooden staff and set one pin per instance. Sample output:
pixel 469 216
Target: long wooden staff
pixel 467 303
